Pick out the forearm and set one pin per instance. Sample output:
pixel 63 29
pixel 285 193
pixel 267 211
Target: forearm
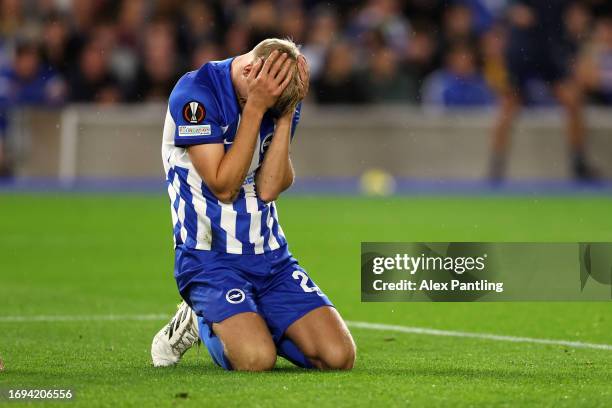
pixel 276 172
pixel 224 173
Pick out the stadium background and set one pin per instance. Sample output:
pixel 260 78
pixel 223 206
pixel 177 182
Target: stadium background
pixel 85 237
pixel 405 87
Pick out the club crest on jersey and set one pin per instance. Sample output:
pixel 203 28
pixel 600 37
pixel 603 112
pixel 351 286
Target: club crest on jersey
pixel 266 143
pixel 194 112
pixel 235 296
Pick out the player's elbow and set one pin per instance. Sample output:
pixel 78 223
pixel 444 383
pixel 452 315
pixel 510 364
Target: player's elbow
pixel 268 195
pixel 271 193
pixel 225 196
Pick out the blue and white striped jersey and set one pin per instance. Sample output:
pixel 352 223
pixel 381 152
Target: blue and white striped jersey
pixel 203 108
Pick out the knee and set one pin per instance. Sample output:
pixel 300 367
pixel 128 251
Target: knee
pixel 338 356
pixel 261 359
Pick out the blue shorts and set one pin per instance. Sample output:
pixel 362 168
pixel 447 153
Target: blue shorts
pixel 219 285
pixel 529 59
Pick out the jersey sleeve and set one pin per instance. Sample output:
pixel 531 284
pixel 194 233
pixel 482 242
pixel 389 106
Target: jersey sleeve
pixel 296 119
pixel 196 116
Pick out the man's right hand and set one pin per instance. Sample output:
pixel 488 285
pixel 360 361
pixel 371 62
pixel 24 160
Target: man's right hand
pixel 267 81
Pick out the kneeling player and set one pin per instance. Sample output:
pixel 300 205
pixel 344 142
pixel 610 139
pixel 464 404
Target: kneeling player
pixel 226 155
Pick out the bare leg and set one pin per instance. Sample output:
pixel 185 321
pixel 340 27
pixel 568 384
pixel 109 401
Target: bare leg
pixel 508 108
pixel 247 342
pixel 324 338
pixel 569 95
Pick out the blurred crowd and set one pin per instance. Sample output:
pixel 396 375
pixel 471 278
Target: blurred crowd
pixel 431 52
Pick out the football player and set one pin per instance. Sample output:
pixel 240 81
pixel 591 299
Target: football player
pixel 225 150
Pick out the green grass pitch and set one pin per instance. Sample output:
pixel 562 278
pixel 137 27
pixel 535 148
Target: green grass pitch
pixel 89 255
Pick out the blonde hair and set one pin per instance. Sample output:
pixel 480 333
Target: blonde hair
pixel 290 96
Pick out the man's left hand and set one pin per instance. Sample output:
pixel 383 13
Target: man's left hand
pixel 304 75
pixel 304 84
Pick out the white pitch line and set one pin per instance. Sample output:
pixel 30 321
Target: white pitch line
pixel 352 324
pixel 83 318
pixel 482 336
